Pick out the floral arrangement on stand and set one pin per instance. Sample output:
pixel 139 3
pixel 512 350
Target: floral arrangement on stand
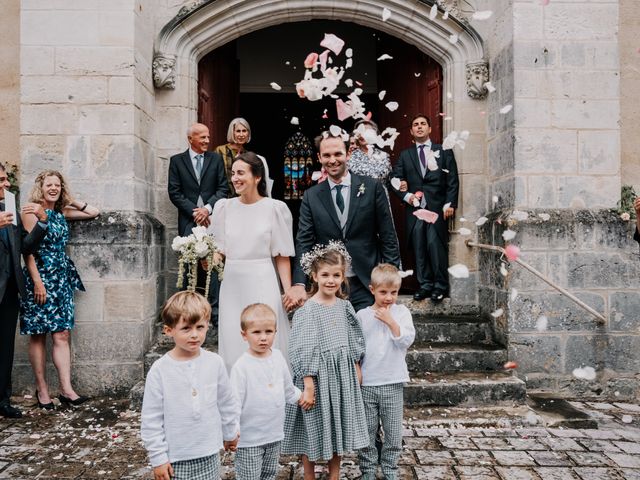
pixel 192 249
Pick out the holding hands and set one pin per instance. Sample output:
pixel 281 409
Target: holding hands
pixel 294 297
pixel 201 216
pixel 231 445
pixel 308 397
pixel 163 472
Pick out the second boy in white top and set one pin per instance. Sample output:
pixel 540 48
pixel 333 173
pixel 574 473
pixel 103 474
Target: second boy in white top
pixel 262 383
pixel 388 333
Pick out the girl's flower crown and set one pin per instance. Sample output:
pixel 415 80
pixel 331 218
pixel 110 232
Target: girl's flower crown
pixel 307 259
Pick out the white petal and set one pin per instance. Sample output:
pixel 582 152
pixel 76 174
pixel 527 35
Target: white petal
pixel 395 183
pixel 542 323
pixel 508 235
pixel 445 15
pixel 332 42
pixel 627 418
pixel 494 199
pixel 315 176
pixel 392 106
pixel 385 56
pixel 459 271
pixel 453 39
pixel 348 52
pixel 275 86
pixel 506 109
pixel 482 15
pixel 433 12
pixel 514 294
pixel 544 216
pixel 462 219
pixel 446 206
pixel 432 164
pixel 519 215
pixel 386 13
pixel 348 63
pixel 382 94
pixel 406 274
pixel 481 221
pixel 449 95
pixel 295 121
pixel 585 373
pixel 417 74
pixel 464 231
pixel 497 313
pixel 348 82
pixel 503 270
pixel 490 88
pixel 335 130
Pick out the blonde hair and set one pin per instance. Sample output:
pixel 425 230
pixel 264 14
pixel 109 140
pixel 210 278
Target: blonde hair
pixel 385 274
pixel 232 127
pixel 331 258
pixel 256 311
pixel 37 196
pixel 190 306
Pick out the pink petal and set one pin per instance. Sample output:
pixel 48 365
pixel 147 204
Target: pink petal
pixel 332 42
pixel 426 215
pixel 323 57
pixel 311 60
pixel 512 252
pixel 344 110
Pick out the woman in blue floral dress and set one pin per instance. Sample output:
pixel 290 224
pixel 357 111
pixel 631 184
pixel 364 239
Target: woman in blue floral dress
pixel 51 279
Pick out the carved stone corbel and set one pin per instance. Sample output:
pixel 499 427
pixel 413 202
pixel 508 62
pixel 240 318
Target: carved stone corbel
pixel 164 71
pixel 477 76
pixel 454 9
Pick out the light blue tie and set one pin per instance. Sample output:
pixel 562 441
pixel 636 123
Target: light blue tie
pixel 199 158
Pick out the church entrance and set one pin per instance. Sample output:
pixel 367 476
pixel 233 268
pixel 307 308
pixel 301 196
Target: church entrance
pixel 234 80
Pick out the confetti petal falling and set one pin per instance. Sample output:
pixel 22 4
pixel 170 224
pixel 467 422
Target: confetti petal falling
pixel 464 231
pixel 542 323
pixel 481 221
pixel 508 235
pixel 482 15
pixel 406 274
pixel 386 13
pixel 295 121
pixel 490 88
pixel 275 86
pixel 506 109
pixel 459 271
pixel 395 183
pixel 426 215
pixel 332 42
pixel 514 294
pixel 497 313
pixel 392 106
pixel 382 94
pixel 385 56
pixel 453 39
pixel 544 216
pixel 433 13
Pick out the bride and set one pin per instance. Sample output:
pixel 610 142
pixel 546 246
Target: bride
pixel 254 233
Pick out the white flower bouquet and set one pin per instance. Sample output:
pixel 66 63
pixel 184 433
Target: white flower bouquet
pixel 192 249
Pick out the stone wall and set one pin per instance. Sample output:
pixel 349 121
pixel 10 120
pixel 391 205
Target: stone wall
pixel 10 82
pixel 591 254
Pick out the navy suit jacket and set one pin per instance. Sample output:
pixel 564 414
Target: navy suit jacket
pixel 439 186
pixel 369 234
pixel 184 188
pixel 20 243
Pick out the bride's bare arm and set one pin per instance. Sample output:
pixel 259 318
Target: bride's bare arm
pixel 283 265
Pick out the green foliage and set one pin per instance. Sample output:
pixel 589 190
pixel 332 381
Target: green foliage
pixel 12 173
pixel 627 196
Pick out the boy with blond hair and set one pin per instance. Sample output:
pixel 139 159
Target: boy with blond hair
pixel 189 411
pixel 388 333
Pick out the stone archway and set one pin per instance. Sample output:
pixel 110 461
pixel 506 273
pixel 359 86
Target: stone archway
pixel 205 25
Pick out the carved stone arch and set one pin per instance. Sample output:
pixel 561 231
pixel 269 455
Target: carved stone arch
pixel 204 25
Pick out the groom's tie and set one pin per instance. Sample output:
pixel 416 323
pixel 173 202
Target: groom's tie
pixel 423 159
pixel 339 198
pixel 199 158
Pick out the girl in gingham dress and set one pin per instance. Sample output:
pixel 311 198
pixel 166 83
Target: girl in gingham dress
pixel 325 349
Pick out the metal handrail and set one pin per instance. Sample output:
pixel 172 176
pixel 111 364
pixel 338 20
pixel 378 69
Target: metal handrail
pixel 526 266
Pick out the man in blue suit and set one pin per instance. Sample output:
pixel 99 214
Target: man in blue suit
pixel 14 242
pixel 432 171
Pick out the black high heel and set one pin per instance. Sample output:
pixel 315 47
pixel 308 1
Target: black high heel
pixel 45 406
pixel 67 401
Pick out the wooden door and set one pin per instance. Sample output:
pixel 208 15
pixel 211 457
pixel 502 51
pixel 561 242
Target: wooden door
pixel 414 80
pixel 218 91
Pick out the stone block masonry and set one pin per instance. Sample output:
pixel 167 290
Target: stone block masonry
pixel 591 254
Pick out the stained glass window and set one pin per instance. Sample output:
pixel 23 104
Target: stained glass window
pixel 298 166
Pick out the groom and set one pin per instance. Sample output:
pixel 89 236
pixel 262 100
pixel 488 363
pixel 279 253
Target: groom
pixel 349 208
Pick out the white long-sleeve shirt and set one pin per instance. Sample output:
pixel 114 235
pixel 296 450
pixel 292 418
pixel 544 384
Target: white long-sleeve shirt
pixel 262 385
pixel 188 408
pixel 385 362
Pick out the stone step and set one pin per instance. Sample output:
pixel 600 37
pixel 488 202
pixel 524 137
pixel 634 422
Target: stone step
pixel 466 357
pixel 464 389
pixel 451 329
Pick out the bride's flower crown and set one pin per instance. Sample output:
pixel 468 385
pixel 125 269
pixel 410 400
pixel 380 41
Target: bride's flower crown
pixel 307 260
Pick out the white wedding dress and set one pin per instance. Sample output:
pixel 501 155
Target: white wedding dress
pixel 250 236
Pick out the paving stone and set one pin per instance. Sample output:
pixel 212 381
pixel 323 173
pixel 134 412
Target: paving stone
pixel 427 443
pixel 595 473
pixel 435 473
pixel 631 474
pixel 548 473
pixel 430 457
pixel 476 473
pixel 532 432
pixel 407 458
pixel 602 434
pixel 628 434
pixel 457 442
pixel 587 459
pixel 630 407
pixel 624 460
pixel 567 433
pixel 500 432
pixel 551 459
pixel 526 444
pixel 466 432
pixel 561 444
pixel 431 432
pixel 599 445
pixel 628 447
pixel 473 457
pixel 601 405
pixel 517 473
pixel 513 458
pixel 492 443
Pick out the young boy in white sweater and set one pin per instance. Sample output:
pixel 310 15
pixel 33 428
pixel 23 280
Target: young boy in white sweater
pixel 388 333
pixel 189 411
pixel 262 383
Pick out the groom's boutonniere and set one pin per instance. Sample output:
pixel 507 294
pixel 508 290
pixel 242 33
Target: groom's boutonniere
pixel 361 190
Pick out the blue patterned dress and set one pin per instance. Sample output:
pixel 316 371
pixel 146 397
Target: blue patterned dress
pixel 60 279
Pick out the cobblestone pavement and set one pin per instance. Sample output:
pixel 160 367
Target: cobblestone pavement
pixel 101 441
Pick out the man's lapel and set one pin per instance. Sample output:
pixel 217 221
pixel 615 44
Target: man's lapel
pixel 354 199
pixel 208 158
pixel 327 202
pixel 415 161
pixel 186 159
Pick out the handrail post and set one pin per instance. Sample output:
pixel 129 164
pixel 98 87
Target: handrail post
pixel 526 266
